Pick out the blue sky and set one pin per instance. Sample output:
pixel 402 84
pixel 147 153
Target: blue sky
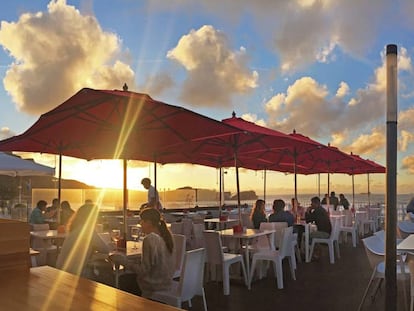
pixel 314 66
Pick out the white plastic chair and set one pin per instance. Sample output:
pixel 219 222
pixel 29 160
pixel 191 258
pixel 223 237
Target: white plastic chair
pixel 190 283
pixel 349 226
pixel 375 249
pixel 363 221
pixel 47 250
pixel 276 256
pixel 177 227
pixel 332 241
pixel 216 256
pixel 178 253
pixel 197 239
pixel 246 221
pixel 405 228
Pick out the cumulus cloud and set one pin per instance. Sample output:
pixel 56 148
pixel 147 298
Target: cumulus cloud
pixel 343 90
pixel 253 118
pixel 355 125
pixel 303 31
pixel 368 143
pixel 157 84
pixel 5 132
pixel 304 107
pixel 56 53
pixel 408 164
pixel 215 72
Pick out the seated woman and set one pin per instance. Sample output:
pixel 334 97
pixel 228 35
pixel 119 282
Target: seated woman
pixel 82 244
pixel 258 214
pixel 154 269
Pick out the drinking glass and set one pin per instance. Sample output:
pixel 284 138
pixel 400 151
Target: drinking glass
pixel 115 236
pixel 135 233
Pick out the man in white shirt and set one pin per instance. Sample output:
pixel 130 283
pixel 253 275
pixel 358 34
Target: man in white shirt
pixel 153 197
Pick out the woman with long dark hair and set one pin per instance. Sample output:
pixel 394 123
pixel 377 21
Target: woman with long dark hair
pixel 154 270
pixel 258 213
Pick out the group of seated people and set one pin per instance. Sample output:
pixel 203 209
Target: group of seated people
pixel 314 213
pixel 334 201
pixel 45 214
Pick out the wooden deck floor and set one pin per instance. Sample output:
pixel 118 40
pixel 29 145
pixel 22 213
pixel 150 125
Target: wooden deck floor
pixel 318 286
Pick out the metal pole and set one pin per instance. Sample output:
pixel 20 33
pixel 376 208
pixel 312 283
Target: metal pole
pixel 353 191
pixel 59 187
pixel 369 192
pixel 125 196
pixel 264 185
pixel 391 188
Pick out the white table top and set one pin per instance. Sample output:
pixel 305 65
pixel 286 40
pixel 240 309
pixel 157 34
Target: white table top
pixel 217 220
pixel 407 245
pixel 249 234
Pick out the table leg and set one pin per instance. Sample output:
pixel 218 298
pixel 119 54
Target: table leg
pixel 307 259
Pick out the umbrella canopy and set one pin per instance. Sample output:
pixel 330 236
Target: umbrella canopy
pixel 12 165
pixel 105 124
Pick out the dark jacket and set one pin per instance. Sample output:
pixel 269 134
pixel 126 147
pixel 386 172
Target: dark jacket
pixel 320 216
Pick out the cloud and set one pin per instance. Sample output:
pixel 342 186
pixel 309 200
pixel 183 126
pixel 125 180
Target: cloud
pixel 56 53
pixel 215 72
pixel 304 107
pixel 303 31
pixel 343 90
pixel 5 132
pixel 368 143
pixel 408 164
pixel 253 118
pixel 356 125
pixel 157 84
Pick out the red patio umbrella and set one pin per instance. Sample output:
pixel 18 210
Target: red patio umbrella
pixel 105 124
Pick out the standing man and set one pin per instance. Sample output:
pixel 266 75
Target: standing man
pixel 153 196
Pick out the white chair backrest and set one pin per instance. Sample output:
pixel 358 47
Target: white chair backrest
pixel 40 227
pixel 198 237
pixel 336 226
pixel 375 245
pixel 187 227
pixel 191 279
pixel 286 243
pixel 347 221
pixel 179 251
pixel 380 234
pixel 177 227
pixel 213 246
pixel 375 250
pixel 246 221
pixel 279 227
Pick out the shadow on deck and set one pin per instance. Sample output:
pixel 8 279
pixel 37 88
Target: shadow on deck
pixel 318 286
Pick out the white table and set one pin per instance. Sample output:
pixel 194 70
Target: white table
pixel 245 237
pixel 222 224
pixel 46 238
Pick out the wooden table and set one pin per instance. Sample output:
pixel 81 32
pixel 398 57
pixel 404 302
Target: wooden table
pixel 245 237
pixel 46 288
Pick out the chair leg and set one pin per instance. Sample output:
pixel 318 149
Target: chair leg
pixel 279 272
pixel 354 240
pixel 311 251
pixel 298 257
pixel 367 289
pixel 226 280
pixel 245 276
pixel 338 254
pixel 331 252
pixel 252 269
pixel 204 299
pixel 292 269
